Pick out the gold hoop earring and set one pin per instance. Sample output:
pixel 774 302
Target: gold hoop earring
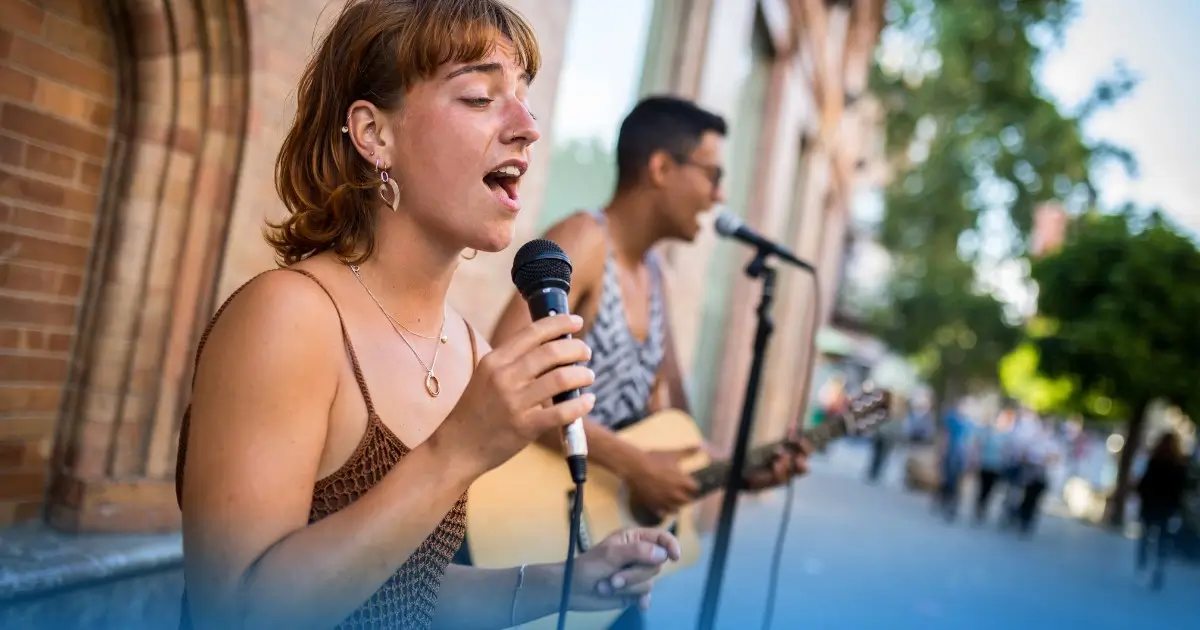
pixel 388 182
pixel 474 253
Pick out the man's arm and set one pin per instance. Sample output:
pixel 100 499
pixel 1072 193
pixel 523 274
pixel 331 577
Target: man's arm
pixel 584 241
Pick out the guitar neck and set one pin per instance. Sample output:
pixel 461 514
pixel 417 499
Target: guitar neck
pixel 713 477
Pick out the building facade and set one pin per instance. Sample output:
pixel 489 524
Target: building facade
pixel 137 142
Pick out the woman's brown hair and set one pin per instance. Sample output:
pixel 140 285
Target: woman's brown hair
pixel 375 51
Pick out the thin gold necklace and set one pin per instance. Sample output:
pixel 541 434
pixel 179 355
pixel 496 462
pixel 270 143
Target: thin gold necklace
pixel 432 385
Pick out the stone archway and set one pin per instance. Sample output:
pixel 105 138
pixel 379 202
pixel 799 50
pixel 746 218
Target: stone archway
pixel 182 68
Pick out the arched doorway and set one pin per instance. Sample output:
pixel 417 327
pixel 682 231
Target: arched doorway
pixel 164 171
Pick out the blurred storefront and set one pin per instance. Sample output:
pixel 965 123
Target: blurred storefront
pixel 136 149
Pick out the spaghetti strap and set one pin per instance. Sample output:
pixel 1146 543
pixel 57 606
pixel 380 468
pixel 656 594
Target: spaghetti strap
pixel 474 346
pixel 358 373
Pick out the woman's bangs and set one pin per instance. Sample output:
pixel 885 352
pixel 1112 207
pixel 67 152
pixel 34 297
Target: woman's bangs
pixel 457 36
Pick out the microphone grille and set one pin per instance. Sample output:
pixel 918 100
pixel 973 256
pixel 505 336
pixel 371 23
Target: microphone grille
pixel 727 223
pixel 540 260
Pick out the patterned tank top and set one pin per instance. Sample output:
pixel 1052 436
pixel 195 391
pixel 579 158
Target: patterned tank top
pixel 408 599
pixel 625 368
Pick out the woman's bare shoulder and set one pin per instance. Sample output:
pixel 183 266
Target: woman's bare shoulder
pixel 281 319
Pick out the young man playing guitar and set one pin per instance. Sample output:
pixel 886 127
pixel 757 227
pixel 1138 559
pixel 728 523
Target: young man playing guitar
pixel 669 155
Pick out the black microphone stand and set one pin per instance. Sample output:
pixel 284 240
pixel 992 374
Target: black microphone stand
pixel 757 268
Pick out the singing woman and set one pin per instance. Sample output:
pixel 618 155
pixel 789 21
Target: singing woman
pixel 340 408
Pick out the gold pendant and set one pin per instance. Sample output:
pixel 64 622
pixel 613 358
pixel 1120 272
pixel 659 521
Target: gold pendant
pixel 432 385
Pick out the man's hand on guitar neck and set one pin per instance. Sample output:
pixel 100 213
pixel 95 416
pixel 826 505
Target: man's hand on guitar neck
pixel 657 483
pixel 785 465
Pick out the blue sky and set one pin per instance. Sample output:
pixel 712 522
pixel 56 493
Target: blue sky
pixel 1155 40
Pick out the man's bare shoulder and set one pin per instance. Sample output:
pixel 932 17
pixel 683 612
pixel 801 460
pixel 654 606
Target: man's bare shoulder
pixel 580 231
pixel 584 240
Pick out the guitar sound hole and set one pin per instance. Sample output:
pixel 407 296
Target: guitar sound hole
pixel 644 516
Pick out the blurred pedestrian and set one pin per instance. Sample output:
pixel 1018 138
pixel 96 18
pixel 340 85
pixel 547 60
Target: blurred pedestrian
pixel 1160 490
pixel 955 441
pixel 1042 453
pixel 989 450
pixel 1026 427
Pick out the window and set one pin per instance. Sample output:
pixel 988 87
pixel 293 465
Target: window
pixel 602 78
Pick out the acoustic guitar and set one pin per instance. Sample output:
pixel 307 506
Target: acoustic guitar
pixel 520 511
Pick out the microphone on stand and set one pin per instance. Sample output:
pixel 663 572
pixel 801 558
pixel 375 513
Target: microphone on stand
pixel 542 273
pixel 729 225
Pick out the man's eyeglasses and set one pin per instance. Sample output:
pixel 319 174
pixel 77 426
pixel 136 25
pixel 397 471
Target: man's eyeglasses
pixel 714 172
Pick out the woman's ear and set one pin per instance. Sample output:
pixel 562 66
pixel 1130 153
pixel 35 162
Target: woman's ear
pixel 370 131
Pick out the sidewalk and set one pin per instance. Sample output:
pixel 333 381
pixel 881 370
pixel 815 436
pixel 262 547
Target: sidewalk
pixel 870 557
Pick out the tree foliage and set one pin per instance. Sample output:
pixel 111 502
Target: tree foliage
pixel 1023 381
pixel 1123 295
pixel 975 147
pixel 1123 300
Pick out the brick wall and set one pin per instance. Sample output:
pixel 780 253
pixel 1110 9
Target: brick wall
pixel 57 93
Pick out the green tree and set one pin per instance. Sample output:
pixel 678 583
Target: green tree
pixel 1023 381
pixel 1123 299
pixel 976 146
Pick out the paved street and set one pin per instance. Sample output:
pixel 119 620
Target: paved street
pixel 864 557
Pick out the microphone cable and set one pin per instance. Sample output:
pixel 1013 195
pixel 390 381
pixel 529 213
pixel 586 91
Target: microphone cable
pixel 578 467
pixel 785 519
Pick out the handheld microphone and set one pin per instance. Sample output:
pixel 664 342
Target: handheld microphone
pixel 731 226
pixel 542 273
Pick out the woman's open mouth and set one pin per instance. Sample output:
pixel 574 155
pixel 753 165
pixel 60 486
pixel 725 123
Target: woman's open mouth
pixel 505 182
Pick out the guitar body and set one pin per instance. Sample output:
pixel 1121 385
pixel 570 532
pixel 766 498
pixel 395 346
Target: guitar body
pixel 520 512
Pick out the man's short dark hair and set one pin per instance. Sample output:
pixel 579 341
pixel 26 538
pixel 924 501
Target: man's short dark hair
pixel 661 123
